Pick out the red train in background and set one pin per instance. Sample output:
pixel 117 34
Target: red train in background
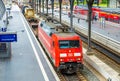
pixel 110 14
pixel 63 48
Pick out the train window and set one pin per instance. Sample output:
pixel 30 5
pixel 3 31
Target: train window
pixel 69 43
pixel 74 43
pixel 50 34
pixel 64 44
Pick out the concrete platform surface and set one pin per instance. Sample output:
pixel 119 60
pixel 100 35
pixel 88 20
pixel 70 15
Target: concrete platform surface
pixel 105 70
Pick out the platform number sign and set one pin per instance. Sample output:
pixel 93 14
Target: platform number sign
pixel 8 37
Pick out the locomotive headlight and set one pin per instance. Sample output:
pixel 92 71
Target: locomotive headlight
pixel 61 59
pixel 78 59
pixel 63 55
pixel 77 54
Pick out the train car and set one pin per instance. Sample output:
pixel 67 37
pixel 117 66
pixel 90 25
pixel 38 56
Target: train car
pixel 63 48
pixel 80 10
pixel 114 18
pixel 29 14
pixel 110 14
pixel 103 15
pixel 33 22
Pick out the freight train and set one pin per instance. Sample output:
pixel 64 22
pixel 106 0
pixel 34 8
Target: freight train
pixel 63 47
pixel 29 14
pixel 110 14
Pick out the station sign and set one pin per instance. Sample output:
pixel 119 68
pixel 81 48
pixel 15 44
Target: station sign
pixel 8 36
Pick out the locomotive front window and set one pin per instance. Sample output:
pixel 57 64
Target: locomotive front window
pixel 69 43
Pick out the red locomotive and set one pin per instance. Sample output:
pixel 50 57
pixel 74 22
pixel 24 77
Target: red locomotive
pixel 63 48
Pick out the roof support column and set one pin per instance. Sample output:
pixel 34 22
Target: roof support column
pixel 52 9
pixel 71 14
pixel 60 8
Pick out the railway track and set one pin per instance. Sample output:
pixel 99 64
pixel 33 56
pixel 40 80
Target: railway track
pixel 81 77
pixel 73 77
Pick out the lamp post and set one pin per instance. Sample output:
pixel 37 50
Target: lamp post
pixel 40 7
pixel 52 9
pixel 43 6
pixel 89 3
pixel 37 5
pixel 60 7
pixel 47 6
pixel 71 14
pixel 32 4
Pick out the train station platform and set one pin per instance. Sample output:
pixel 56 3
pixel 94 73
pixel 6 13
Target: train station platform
pixel 28 61
pixel 105 70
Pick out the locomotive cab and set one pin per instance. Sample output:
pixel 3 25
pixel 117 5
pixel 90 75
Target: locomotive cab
pixel 68 48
